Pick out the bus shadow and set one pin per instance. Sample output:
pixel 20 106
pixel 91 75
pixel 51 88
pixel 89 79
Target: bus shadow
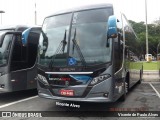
pixel 18 95
pixel 85 109
pixel 86 106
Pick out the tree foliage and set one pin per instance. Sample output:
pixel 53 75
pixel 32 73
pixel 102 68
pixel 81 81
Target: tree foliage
pixel 153 35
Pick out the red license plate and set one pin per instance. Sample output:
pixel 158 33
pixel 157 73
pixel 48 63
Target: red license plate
pixel 67 92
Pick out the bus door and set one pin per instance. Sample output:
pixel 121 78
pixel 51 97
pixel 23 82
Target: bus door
pixel 118 58
pixel 18 65
pixel 32 48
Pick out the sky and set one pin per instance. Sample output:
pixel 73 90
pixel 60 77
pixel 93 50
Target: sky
pixel 23 11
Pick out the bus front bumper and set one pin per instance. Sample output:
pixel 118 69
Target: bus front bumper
pixel 99 93
pixel 47 94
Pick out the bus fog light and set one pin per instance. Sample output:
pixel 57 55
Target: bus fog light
pixel 105 94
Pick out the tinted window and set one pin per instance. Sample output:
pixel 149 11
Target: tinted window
pixel 19 59
pixel 89 28
pixel 5 49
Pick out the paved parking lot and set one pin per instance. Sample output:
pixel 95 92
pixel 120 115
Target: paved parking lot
pixel 143 97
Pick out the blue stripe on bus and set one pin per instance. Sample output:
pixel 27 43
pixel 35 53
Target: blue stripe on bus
pixel 81 78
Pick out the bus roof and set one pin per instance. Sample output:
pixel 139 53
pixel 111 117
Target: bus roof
pixel 11 27
pixel 16 27
pixel 87 7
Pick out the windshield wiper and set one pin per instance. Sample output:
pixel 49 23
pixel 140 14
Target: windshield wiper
pixel 61 48
pixel 64 42
pixel 75 45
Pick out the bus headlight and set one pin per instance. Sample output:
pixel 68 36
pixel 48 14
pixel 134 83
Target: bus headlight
pixel 99 79
pixel 42 79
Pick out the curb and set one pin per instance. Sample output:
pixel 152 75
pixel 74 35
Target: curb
pixel 151 76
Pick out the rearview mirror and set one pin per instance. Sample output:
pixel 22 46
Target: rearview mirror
pixel 1 39
pixel 112 27
pixel 45 45
pixel 25 36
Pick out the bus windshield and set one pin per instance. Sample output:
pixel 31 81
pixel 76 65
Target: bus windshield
pixel 76 39
pixel 4 48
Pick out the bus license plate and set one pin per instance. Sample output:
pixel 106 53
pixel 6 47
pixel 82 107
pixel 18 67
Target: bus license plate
pixel 67 92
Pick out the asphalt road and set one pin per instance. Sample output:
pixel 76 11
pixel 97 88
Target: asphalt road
pixel 143 97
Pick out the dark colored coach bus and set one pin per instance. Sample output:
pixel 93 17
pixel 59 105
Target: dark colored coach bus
pixel 88 54
pixel 18 51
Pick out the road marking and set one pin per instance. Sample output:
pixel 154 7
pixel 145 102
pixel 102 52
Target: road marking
pixel 155 90
pixel 152 82
pixel 12 103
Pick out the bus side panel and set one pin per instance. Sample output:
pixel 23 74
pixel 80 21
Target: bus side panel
pixel 31 82
pixel 32 48
pixel 119 85
pixel 19 80
pixel 132 52
pixel 134 74
pixel 5 83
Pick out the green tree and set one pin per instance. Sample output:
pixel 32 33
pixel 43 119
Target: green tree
pixel 153 35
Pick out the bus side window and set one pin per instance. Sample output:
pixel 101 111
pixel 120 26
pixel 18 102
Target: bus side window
pixel 18 60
